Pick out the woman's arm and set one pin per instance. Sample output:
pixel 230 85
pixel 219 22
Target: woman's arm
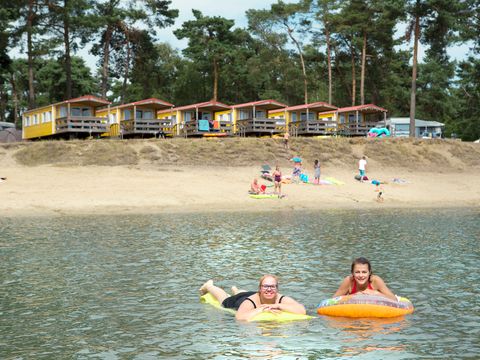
pixel 289 305
pixel 379 284
pixel 246 311
pixel 344 287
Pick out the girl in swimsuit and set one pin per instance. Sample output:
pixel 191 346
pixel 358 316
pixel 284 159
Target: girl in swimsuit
pixel 252 303
pixel 277 178
pixel 362 281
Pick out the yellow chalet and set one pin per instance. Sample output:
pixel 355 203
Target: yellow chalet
pixel 259 118
pixel 311 119
pixel 137 119
pixel 74 118
pixel 357 120
pixel 211 118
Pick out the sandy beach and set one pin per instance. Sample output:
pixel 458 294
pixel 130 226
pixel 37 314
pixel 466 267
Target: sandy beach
pixel 49 190
pixel 196 175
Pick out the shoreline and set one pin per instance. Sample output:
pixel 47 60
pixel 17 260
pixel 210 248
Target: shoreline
pixel 100 190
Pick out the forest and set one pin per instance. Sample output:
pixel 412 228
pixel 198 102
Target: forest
pixel 345 53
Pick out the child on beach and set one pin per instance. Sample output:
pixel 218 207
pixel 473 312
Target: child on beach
pixel 379 189
pixel 316 168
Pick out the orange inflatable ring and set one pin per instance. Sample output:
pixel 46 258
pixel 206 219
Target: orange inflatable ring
pixel 365 306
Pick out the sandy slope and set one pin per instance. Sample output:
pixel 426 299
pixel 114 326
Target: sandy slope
pixel 47 190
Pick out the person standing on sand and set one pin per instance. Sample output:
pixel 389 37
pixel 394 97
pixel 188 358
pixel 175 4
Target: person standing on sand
pixel 285 140
pixel 277 179
pixel 362 167
pixel 316 169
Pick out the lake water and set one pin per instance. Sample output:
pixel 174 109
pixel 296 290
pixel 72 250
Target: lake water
pixel 126 287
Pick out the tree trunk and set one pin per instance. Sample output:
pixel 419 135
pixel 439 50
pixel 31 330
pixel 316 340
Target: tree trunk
pixel 304 72
pixel 15 99
pixel 126 74
pixel 215 79
pixel 414 76
pixel 340 74
pixel 106 59
pixel 68 59
pixel 354 80
pixel 329 63
pixel 362 75
pixel 31 89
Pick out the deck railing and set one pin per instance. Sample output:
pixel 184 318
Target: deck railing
pixel 356 129
pixel 191 128
pixel 81 124
pixel 315 127
pixel 146 127
pixel 259 126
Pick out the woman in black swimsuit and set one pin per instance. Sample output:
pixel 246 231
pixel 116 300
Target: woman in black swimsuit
pixel 251 303
pixel 277 179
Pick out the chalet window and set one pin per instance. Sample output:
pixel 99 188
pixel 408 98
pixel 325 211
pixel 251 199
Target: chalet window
pixel 47 116
pixel 188 116
pixel 303 116
pixel 35 119
pixel 294 117
pixel 63 111
pixel 352 118
pixel 205 116
pixel 342 118
pixel 127 115
pixel 260 114
pixel 244 114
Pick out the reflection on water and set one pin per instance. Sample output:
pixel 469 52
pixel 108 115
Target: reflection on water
pixel 126 287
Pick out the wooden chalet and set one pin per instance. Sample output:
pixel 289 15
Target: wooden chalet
pixel 138 119
pixel 264 117
pixel 316 118
pixel 211 118
pixel 357 120
pixel 74 118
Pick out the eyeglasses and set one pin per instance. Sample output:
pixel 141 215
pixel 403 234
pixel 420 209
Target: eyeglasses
pixel 269 287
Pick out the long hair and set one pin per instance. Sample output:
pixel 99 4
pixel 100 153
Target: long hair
pixel 362 261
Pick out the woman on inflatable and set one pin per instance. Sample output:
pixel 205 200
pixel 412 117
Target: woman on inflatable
pixel 362 281
pixel 251 303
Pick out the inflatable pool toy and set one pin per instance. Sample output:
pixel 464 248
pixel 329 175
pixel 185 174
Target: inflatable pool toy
pixel 378 132
pixel 365 306
pixel 264 196
pixel 262 317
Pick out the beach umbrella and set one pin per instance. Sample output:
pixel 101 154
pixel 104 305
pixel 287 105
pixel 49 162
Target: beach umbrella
pixel 296 159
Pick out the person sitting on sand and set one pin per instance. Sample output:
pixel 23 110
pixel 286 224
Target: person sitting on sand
pixel 256 188
pixel 251 303
pixel 379 189
pixel 362 281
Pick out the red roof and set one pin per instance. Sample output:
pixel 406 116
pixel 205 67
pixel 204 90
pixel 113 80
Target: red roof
pixel 316 106
pixel 151 101
pixel 208 105
pixel 363 108
pixel 86 98
pixel 267 104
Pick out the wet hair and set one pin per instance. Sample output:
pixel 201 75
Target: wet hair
pixel 362 261
pixel 316 162
pixel 260 283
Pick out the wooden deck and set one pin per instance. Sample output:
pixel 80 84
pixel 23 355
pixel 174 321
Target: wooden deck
pixel 149 127
pixel 354 129
pixel 313 127
pixel 81 124
pixel 259 126
pixel 191 129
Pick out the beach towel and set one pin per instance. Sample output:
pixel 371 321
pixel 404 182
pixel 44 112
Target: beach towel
pixel 334 181
pixel 203 125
